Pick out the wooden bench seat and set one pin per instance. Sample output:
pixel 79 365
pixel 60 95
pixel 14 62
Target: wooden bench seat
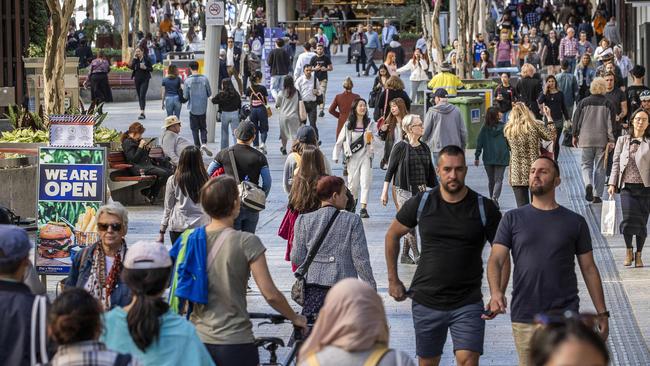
pixel 116 80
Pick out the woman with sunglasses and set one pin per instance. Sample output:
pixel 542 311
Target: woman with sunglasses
pixel 631 175
pixel 98 268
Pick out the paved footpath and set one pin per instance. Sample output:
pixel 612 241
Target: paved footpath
pixel 625 289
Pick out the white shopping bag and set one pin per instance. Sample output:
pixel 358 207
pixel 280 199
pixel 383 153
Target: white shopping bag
pixel 608 218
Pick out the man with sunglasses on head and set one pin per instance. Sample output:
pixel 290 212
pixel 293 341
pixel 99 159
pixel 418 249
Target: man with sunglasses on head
pixel 544 238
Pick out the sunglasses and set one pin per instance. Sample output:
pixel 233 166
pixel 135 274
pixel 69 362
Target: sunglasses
pixel 104 227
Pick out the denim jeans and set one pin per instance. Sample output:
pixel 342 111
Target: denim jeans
pixel 229 122
pixel 593 170
pixel 247 220
pixel 276 85
pixel 572 63
pixel 261 121
pixel 173 105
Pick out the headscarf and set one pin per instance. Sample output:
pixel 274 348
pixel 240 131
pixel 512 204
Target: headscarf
pixel 352 318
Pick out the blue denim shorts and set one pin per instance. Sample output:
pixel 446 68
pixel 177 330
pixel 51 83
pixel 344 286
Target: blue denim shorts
pixel 465 324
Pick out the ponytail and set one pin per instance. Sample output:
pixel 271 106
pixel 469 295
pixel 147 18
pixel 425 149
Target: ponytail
pixel 143 319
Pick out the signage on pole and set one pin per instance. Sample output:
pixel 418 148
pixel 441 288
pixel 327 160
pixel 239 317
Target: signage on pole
pixel 215 13
pixel 72 130
pixel 71 188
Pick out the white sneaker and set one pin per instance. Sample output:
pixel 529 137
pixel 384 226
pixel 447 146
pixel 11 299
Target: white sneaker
pixel 263 148
pixel 206 150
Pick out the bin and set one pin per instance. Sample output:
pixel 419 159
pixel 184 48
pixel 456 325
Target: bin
pixel 472 110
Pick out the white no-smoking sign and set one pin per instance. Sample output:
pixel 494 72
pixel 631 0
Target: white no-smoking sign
pixel 215 13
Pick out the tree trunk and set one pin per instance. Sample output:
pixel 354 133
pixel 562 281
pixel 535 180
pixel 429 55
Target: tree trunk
pixel 272 13
pixel 145 23
pixel 463 23
pixel 90 8
pixel 436 44
pixel 136 20
pixel 125 8
pixel 54 65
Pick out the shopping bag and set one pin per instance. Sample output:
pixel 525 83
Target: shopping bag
pixel 608 218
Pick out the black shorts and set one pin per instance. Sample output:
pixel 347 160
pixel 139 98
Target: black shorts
pixel 234 354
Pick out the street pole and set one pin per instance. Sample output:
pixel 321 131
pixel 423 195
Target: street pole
pixel 211 62
pixel 453 20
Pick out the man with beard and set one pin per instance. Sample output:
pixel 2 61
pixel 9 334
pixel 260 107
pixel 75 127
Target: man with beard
pixel 544 238
pixel 446 288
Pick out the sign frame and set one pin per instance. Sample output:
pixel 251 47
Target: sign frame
pixel 215 13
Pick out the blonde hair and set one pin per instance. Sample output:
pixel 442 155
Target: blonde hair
pixel 520 121
pixel 598 86
pixel 347 83
pixel 527 70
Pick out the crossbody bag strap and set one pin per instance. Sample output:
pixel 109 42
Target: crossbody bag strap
pixel 481 209
pixel 304 267
pixel 217 245
pixel 385 102
pixel 234 165
pixel 423 201
pixel 376 356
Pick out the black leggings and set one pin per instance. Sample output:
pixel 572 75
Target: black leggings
pixel 141 87
pixel 522 195
pixel 161 178
pixel 361 59
pixel 640 241
pixel 234 354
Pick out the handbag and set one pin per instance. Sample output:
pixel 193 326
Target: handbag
pixel 372 99
pixel 608 218
pixel 319 97
pixel 252 196
pixel 382 119
pixel 358 143
pixel 302 111
pixel 298 288
pixel 181 97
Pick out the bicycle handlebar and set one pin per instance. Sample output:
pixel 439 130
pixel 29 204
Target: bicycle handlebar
pixel 273 318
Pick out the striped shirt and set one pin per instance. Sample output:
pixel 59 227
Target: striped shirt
pixel 87 353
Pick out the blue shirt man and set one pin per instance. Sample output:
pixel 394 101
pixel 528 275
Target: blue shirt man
pixel 198 91
pixel 387 33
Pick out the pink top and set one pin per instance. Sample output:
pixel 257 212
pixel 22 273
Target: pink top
pixel 503 51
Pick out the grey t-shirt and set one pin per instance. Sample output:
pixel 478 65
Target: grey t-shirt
pixel 224 319
pixel 335 356
pixel 544 245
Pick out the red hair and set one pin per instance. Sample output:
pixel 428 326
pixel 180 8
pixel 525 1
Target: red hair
pixel 328 185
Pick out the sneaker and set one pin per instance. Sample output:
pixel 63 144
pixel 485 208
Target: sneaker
pixel 206 150
pixel 141 116
pixel 406 259
pixel 589 192
pixel 345 171
pixel 358 75
pixel 364 213
pixel 321 114
pixel 597 200
pixel 263 149
pixel 283 150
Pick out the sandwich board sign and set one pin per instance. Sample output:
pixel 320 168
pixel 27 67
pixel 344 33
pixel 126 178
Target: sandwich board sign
pixel 215 12
pixel 71 188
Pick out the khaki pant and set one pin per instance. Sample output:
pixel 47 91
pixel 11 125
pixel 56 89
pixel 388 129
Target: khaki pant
pixel 323 89
pixel 523 333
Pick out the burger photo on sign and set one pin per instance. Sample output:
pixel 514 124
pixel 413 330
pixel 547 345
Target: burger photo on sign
pixel 55 240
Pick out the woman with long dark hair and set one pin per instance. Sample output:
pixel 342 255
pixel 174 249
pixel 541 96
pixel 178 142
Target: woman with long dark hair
pixel 172 89
pixel 631 175
pixel 75 324
pixel 553 98
pixel 355 142
pixel 136 151
pixel 146 327
pixel 142 68
pixel 496 156
pixel 258 94
pixel 229 102
pixel 288 103
pixel 182 208
pixel 391 131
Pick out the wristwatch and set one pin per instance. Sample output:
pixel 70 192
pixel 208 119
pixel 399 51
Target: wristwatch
pixel 604 314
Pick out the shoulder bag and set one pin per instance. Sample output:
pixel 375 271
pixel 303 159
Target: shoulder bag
pixel 269 111
pixel 319 96
pixel 298 288
pixel 302 110
pixel 39 329
pixel 252 196
pixel 181 97
pixel 357 144
pixel 382 119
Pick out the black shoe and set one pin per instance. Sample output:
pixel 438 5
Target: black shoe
pixel 321 114
pixel 141 116
pixel 589 193
pixel 597 200
pixel 364 213
pixel 320 142
pixel 283 150
pixel 358 75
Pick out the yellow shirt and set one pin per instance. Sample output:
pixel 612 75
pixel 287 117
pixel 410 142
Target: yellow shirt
pixel 445 80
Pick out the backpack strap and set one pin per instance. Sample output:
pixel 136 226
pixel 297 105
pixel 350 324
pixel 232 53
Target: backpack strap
pixel 481 209
pixel 376 356
pixel 423 201
pixel 122 359
pixel 38 329
pixel 216 246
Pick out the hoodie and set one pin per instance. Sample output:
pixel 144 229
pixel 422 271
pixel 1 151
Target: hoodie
pixel 395 46
pixel 493 145
pixel 443 125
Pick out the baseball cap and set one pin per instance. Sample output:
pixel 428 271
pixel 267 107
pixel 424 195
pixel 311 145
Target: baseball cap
pixel 14 244
pixel 245 131
pixel 440 93
pixel 645 95
pixel 147 255
pixel 306 134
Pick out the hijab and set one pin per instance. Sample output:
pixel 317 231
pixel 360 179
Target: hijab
pixel 352 318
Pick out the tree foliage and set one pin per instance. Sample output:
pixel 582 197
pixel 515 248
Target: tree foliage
pixel 38 19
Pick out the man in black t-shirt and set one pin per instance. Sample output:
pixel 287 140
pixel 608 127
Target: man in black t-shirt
pixel 454 223
pixel 545 238
pixel 617 97
pixel 633 92
pixel 322 64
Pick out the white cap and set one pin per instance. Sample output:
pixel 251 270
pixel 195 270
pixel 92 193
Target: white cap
pixel 147 255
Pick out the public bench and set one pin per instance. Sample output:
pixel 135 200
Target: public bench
pixel 116 80
pixel 124 186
